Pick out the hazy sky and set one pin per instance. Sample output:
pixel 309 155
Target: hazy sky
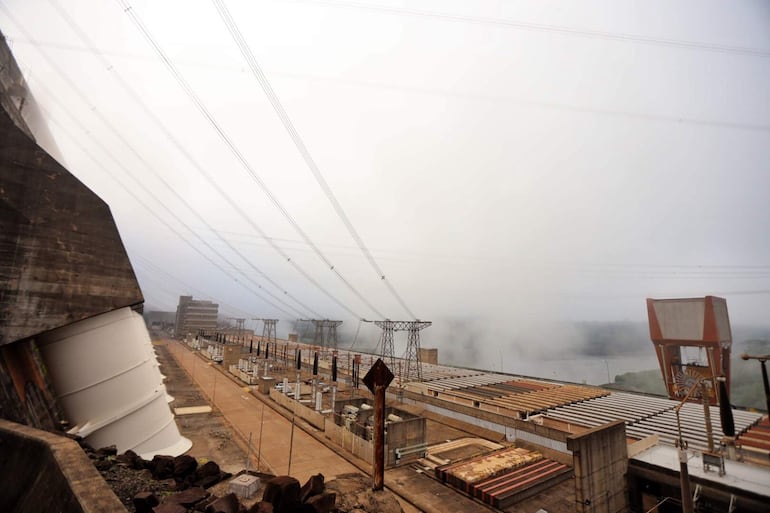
pixel 514 163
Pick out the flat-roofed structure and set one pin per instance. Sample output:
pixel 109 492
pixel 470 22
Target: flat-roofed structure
pixel 193 315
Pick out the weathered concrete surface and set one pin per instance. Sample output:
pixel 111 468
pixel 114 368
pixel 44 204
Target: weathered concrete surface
pixel 601 464
pixel 25 394
pixel 61 256
pixel 43 472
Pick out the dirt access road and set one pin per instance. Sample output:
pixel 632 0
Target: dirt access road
pixel 249 416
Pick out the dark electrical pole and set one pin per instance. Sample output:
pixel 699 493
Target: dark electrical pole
pixel 762 359
pixel 377 380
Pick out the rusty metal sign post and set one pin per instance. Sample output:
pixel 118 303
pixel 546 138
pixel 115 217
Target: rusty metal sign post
pixel 377 380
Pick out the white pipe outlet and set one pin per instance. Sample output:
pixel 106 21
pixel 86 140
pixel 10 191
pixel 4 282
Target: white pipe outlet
pixel 108 383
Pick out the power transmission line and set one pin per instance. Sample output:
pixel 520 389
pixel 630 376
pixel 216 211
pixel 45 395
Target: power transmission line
pixel 256 70
pixel 147 111
pixel 148 264
pixel 106 122
pixel 537 27
pixel 473 96
pixel 147 207
pixel 130 12
pixel 85 100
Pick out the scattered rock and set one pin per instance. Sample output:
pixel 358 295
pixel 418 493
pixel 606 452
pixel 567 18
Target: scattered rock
pixel 189 497
pixel 323 502
pixel 184 465
pixel 169 507
pixel 283 492
pixel 227 504
pixel 110 450
pixel 104 464
pixel 261 507
pixel 314 486
pixel 132 460
pixel 145 501
pixel 208 475
pixel 162 467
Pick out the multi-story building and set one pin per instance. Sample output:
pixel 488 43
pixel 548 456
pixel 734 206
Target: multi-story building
pixel 193 315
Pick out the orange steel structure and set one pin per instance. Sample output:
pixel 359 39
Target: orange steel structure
pixel 703 326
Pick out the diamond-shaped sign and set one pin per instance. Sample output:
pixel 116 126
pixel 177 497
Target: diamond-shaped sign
pixel 378 376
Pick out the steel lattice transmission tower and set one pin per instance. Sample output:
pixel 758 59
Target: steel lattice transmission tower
pixel 413 360
pixel 386 341
pixel 239 325
pixel 413 363
pixel 268 329
pixel 325 332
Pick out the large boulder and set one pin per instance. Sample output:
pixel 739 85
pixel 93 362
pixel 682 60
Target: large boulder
pixel 162 467
pixel 189 497
pixel 283 492
pixel 314 486
pixel 226 504
pixel 145 501
pixel 208 475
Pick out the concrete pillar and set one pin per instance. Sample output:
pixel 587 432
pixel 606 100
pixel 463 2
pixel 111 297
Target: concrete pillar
pixel 600 458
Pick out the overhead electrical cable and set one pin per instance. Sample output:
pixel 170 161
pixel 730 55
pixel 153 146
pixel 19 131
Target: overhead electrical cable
pixel 120 137
pixel 147 263
pixel 659 118
pixel 256 70
pixel 148 112
pixel 538 27
pixel 139 200
pixel 157 200
pixel 203 110
pixel 159 285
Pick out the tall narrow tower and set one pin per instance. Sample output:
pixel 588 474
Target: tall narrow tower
pixel 268 329
pixel 325 332
pixel 413 365
pixel 386 341
pixel 692 339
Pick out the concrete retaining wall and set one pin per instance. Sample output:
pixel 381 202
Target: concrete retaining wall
pixel 350 441
pixel 44 472
pixel 312 417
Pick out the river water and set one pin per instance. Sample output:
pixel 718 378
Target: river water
pixel 588 370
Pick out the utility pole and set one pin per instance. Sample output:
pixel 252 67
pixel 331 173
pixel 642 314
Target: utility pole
pixel 762 359
pixel 377 380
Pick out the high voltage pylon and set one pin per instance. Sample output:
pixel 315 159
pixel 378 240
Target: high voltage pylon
pixel 413 363
pixel 268 329
pixel 386 341
pixel 239 325
pixel 325 332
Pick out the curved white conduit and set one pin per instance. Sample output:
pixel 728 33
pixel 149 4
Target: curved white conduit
pixel 108 382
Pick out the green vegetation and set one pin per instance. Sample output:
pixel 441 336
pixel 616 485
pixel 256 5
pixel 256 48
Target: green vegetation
pixel 746 387
pixel 647 382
